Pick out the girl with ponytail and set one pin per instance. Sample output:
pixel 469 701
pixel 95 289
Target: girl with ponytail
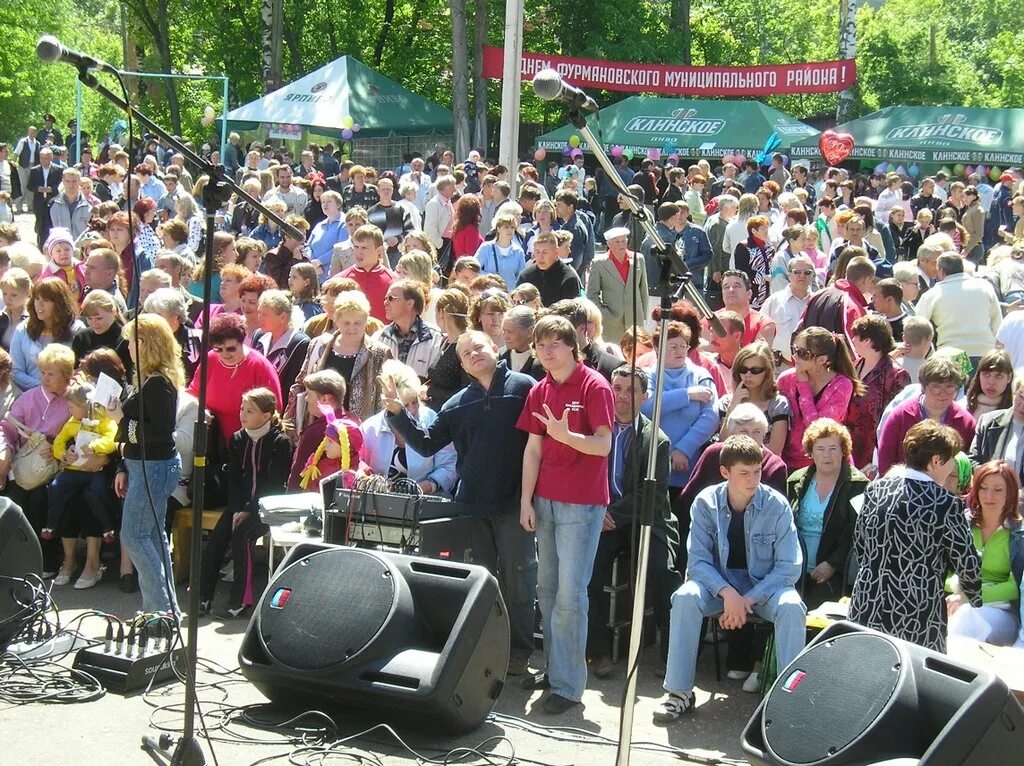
pixel 259 458
pixel 822 384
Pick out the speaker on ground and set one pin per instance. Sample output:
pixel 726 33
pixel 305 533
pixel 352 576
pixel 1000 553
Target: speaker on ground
pixel 418 642
pixel 20 555
pixel 857 697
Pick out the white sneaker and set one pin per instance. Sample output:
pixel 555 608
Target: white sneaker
pixel 673 706
pixel 737 675
pixel 63 577
pixel 753 683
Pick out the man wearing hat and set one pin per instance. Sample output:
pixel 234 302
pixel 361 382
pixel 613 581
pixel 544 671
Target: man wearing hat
pixel 43 181
pixel 49 134
pixel 619 293
pixel 1002 208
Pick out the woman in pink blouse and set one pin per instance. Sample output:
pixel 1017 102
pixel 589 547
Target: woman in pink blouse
pixel 821 385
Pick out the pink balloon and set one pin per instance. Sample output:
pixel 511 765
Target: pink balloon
pixel 739 159
pixel 540 154
pixel 615 151
pixel 576 153
pixel 654 154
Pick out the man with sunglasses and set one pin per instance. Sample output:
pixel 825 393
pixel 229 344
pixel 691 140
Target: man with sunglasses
pixel 787 306
pixel 411 340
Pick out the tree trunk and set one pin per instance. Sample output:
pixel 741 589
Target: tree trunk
pixel 479 83
pixel 163 45
pixel 382 38
pixel 460 77
pixel 680 25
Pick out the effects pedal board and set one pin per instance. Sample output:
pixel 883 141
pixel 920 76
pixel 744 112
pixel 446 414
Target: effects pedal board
pixel 126 668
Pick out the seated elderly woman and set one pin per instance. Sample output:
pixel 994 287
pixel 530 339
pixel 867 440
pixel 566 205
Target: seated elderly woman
pixel 43 409
pixel 940 379
pixel 232 369
pixel 387 453
pixel 820 495
pixel 171 304
pixel 993 508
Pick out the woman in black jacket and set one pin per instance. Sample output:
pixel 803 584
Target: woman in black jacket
pixel 899 230
pixel 821 496
pixel 259 458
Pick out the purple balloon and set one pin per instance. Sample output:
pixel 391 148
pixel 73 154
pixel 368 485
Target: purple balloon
pixel 576 153
pixel 785 160
pixel 566 150
pixel 355 127
pixel 347 134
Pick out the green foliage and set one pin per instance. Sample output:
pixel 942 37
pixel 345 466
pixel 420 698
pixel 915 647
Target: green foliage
pixel 29 88
pixel 977 57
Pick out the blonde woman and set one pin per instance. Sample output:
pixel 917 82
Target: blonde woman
pixel 147 422
pixel 753 379
pixel 349 351
pixel 418 240
pixel 104 322
pixel 342 255
pixel 387 453
pixel 186 209
pixel 418 266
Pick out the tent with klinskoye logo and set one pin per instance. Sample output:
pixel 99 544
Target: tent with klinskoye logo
pixel 346 87
pixel 689 127
pixel 940 134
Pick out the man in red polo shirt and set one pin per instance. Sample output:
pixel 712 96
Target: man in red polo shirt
pixel 569 417
pixel 369 271
pixel 736 296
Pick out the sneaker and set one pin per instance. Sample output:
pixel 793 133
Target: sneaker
pixel 233 612
pixel 556 704
pixel 63 577
pixel 536 681
pixel 602 667
pixel 673 706
pixel 47 534
pixel 204 608
pixel 737 675
pixel 89 581
pixel 753 683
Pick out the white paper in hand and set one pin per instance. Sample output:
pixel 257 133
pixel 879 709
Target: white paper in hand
pixel 82 440
pixel 106 389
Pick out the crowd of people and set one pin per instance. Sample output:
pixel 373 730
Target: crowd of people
pixel 857 430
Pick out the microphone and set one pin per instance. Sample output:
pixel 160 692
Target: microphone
pixel 549 86
pixel 51 50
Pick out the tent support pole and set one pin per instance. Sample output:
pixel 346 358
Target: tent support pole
pixel 511 87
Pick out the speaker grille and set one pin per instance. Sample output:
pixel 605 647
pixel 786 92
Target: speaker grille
pixel 325 609
pixel 808 716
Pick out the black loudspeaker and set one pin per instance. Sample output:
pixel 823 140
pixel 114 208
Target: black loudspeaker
pixel 856 697
pixel 418 642
pixel 20 555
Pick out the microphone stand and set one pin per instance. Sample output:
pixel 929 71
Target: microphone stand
pixel 188 752
pixel 672 267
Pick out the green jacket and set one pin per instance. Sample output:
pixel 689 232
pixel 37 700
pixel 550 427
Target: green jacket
pixel 840 519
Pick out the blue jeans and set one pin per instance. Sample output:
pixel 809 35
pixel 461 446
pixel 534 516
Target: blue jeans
pixel 693 602
pixel 142 529
pixel 567 538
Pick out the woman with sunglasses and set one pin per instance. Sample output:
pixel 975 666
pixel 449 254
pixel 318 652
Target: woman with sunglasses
pixel 994 513
pixel 233 369
pixel 820 385
pixel 882 379
pixel 753 377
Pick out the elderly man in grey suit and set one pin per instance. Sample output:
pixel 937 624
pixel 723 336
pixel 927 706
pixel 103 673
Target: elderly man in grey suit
pixel 618 285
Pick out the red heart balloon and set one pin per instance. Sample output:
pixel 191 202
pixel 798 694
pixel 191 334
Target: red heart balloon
pixel 835 147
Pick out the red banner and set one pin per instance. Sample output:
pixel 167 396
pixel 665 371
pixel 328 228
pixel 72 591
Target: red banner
pixel 817 77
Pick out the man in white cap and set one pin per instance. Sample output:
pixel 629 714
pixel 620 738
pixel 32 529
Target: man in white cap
pixel 618 285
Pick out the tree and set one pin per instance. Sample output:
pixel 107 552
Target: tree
pixel 460 77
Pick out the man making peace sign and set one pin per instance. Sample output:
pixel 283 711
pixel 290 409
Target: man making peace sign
pixel 569 417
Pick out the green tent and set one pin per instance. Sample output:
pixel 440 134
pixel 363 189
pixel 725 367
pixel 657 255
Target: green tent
pixel 940 134
pixel 322 100
pixel 693 128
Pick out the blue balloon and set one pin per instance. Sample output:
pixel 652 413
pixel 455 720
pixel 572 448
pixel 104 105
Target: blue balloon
pixel 914 170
